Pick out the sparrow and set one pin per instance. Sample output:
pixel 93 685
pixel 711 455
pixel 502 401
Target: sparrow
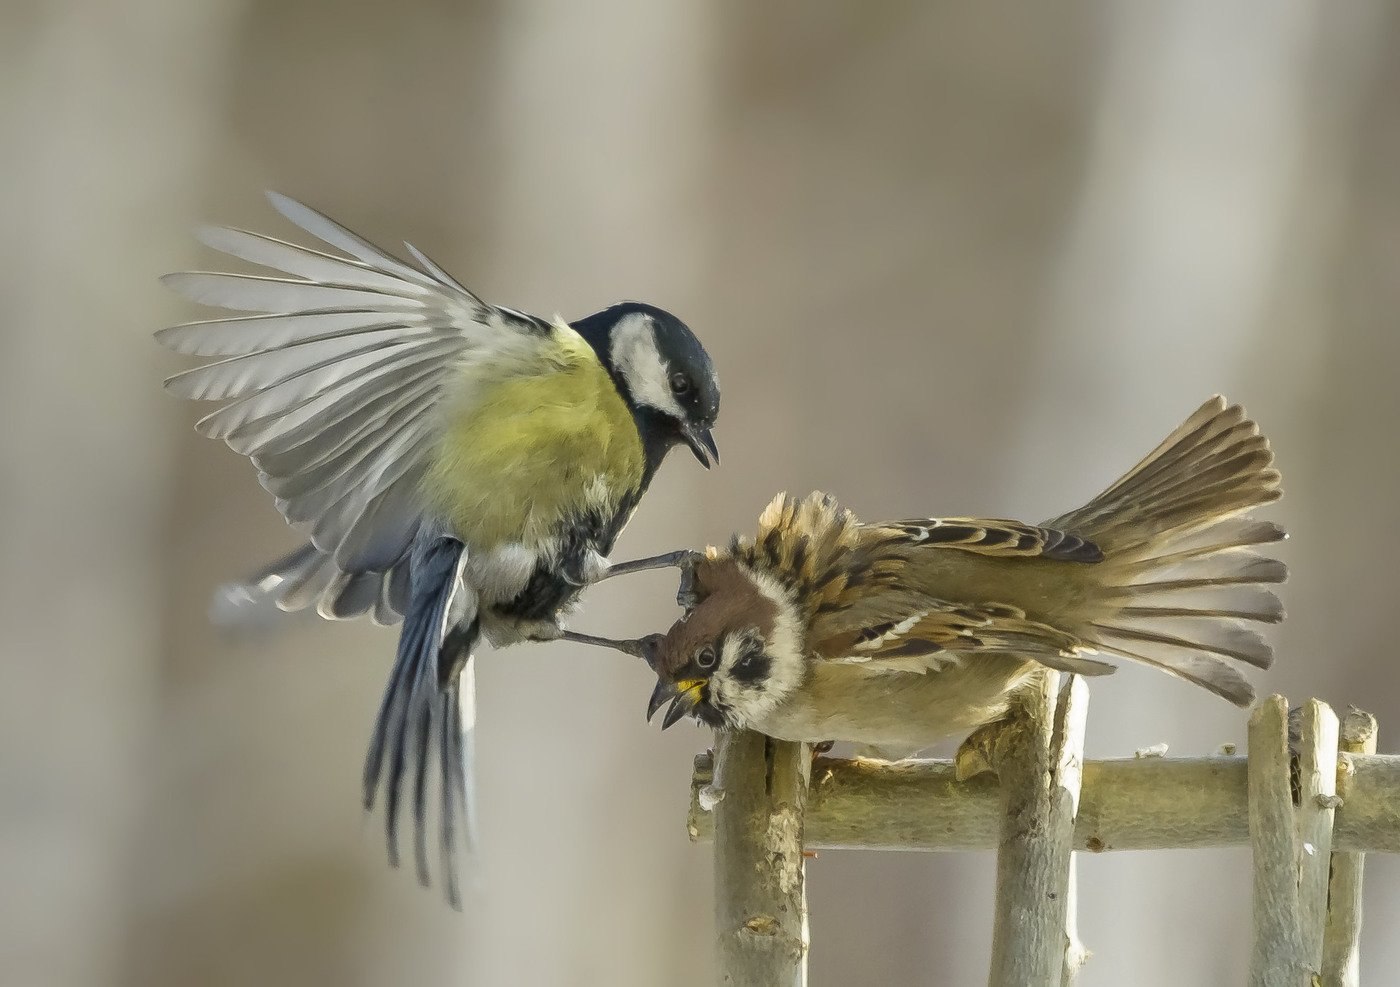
pixel 460 466
pixel 901 634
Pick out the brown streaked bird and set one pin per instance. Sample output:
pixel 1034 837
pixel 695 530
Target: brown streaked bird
pixel 900 634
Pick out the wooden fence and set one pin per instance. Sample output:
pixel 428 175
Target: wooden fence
pixel 1311 806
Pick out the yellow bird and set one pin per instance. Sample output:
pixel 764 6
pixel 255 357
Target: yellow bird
pixel 463 466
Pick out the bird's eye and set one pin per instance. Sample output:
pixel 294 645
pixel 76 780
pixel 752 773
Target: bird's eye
pixel 680 383
pixel 705 657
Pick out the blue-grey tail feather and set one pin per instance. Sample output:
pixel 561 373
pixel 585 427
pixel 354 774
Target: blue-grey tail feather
pixel 422 704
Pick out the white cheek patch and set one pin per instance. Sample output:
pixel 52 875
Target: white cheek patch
pixel 785 640
pixel 633 352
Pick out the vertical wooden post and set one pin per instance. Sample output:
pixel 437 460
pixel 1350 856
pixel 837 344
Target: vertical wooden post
pixel 1041 778
pixel 760 795
pixel 1317 802
pixel 1341 942
pixel 1278 959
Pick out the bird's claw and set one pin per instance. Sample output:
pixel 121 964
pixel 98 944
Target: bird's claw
pixel 686 597
pixel 983 750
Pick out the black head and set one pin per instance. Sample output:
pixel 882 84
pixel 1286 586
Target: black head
pixel 663 373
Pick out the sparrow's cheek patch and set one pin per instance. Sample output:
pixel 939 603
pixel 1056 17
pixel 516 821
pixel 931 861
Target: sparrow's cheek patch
pixel 751 670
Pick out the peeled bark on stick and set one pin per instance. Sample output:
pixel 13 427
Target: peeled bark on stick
pixel 1341 941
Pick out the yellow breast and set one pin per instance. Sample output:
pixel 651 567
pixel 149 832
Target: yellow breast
pixel 537 434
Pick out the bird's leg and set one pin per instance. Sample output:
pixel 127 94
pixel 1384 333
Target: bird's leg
pixel 989 746
pixel 639 648
pixel 616 644
pixel 984 749
pixel 539 630
pixel 676 558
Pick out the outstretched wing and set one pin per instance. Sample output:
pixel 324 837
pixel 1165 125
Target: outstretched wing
pixel 332 385
pixel 869 600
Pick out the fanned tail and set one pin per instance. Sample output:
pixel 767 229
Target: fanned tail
pixel 427 714
pixel 1183 578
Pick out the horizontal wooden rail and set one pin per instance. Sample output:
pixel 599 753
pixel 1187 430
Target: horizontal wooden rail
pixel 1149 803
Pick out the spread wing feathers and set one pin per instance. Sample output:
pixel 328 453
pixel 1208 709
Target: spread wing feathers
pixel 1184 573
pixel 840 569
pixel 941 633
pixel 333 386
pixel 997 537
pixel 426 715
pixel 309 578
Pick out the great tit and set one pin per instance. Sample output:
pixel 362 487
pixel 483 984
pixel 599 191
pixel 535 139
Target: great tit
pixel 463 466
pixel 901 634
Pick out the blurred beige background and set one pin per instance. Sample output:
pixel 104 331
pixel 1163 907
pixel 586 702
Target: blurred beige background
pixel 950 258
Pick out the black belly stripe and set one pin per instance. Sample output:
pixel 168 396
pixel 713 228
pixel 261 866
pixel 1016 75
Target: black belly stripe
pixel 557 583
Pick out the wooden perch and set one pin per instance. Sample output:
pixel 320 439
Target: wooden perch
pixel 1309 803
pixel 759 795
pixel 1278 959
pixel 1041 778
pixel 1341 944
pixel 1154 803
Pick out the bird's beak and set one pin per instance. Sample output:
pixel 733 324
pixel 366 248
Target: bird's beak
pixel 684 696
pixel 702 443
pixel 663 693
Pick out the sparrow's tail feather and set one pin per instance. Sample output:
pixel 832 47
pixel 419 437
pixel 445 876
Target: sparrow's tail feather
pixel 426 714
pixel 309 578
pixel 1183 576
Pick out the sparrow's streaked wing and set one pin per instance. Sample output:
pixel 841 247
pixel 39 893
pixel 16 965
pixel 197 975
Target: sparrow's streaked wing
pixel 942 633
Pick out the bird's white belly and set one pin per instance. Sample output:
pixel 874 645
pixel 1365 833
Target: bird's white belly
pixel 897 710
pixel 500 574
